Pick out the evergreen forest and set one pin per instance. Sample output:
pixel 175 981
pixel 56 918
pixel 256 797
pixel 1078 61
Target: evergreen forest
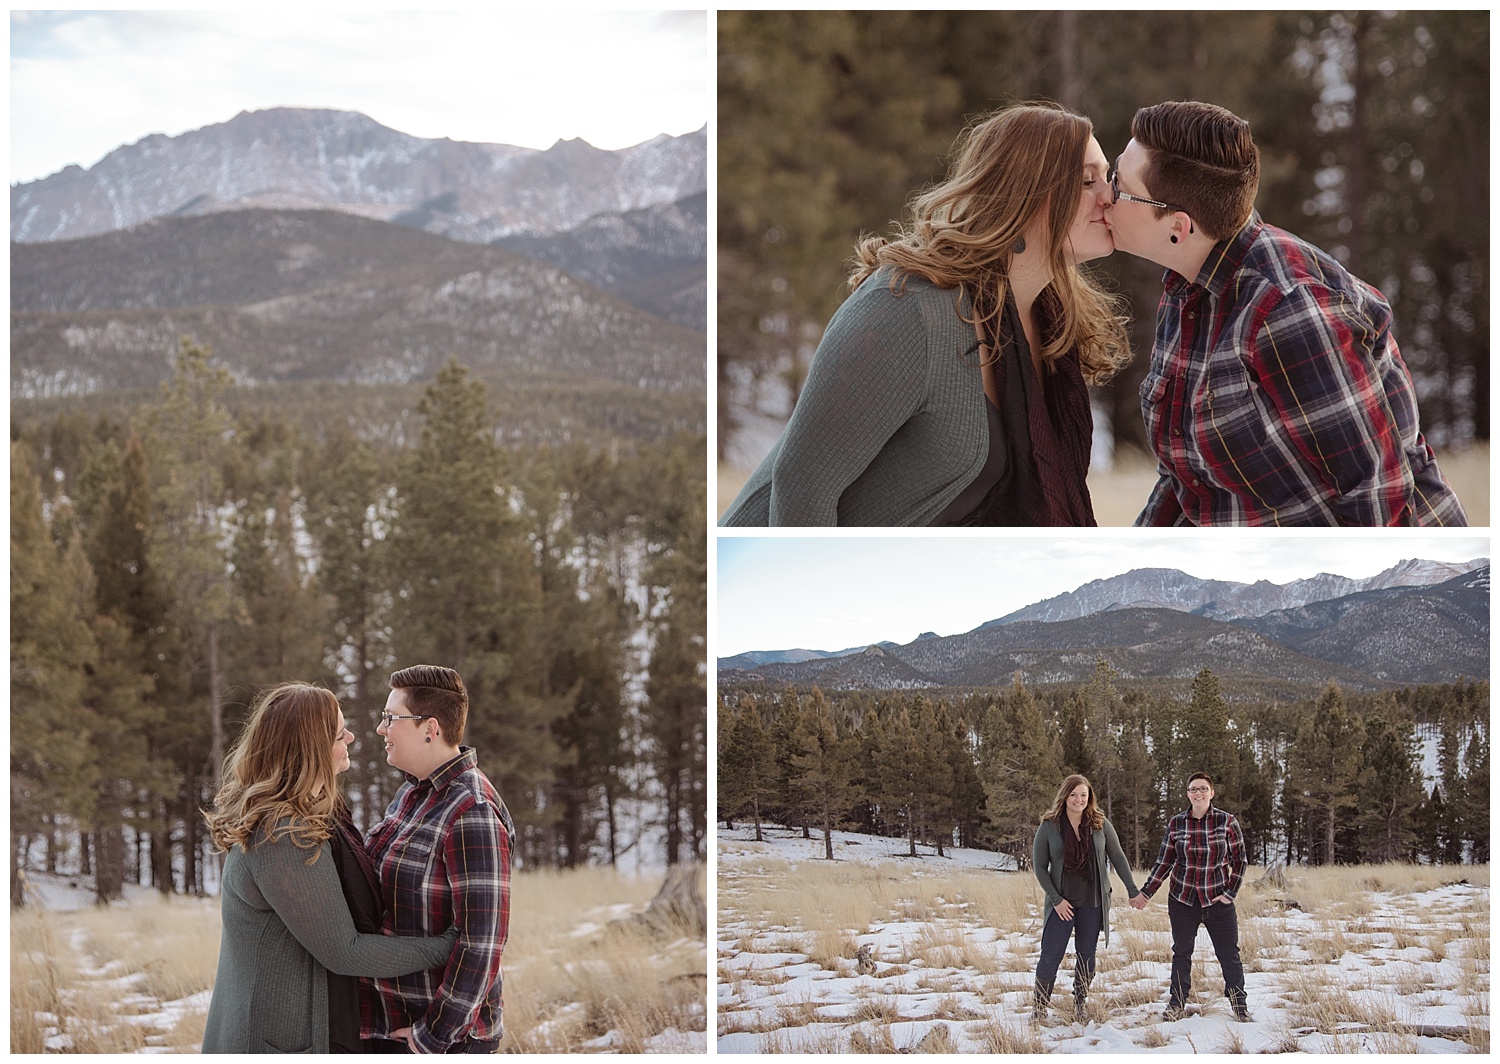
pixel 1373 129
pixel 1335 778
pixel 170 561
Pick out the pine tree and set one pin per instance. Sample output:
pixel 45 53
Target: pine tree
pixel 1103 712
pixel 349 518
pixel 901 785
pixel 1204 742
pixel 1135 792
pixel 1477 818
pixel 1020 767
pixel 467 597
pixel 1390 793
pixel 747 767
pixel 135 680
pixel 53 766
pixel 188 435
pixel 1324 766
pixel 1450 822
pixel 822 769
pixel 932 759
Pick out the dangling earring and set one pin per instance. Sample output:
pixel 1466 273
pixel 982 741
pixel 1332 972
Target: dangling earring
pixel 1019 247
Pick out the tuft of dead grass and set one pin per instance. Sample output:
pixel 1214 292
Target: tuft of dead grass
pixel 565 989
pixel 1000 1035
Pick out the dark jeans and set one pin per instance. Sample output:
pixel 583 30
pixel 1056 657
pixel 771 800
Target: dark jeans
pixel 1085 927
pixel 1223 931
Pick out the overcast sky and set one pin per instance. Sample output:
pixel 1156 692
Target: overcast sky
pixel 832 594
pixel 83 83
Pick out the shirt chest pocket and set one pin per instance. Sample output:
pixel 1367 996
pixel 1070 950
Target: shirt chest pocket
pixel 1232 423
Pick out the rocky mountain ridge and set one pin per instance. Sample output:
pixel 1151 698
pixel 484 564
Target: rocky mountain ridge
pixel 300 158
pixel 1388 633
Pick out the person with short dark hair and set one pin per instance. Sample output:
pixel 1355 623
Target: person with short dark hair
pixel 1204 853
pixel 1277 394
pixel 443 853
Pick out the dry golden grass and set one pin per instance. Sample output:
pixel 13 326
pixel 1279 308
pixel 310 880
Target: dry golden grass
pixel 160 950
pixel 1000 1034
pixel 562 989
pixel 1120 493
pixel 1153 1037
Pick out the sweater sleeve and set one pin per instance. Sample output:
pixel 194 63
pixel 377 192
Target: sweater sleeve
pixel 309 900
pixel 1041 867
pixel 868 377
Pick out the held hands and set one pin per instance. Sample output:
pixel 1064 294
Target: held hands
pixel 1064 910
pixel 1139 901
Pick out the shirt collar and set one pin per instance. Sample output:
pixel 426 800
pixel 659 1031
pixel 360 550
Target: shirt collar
pixel 1222 261
pixel 450 770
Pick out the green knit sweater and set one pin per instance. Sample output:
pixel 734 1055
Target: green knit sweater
pixel 285 926
pixel 1047 864
pixel 891 423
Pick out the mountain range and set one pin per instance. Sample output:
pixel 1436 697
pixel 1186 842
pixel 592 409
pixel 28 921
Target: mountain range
pixel 1419 622
pixel 288 158
pixel 314 245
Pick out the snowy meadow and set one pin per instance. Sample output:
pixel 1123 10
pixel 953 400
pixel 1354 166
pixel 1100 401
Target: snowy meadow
pixel 137 977
pixel 1373 958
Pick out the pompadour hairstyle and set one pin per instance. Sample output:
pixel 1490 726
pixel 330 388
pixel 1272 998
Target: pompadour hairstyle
pixel 436 692
pixel 1201 158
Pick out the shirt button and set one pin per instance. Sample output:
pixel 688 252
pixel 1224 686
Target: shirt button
pixel 1192 314
pixel 1197 483
pixel 1176 432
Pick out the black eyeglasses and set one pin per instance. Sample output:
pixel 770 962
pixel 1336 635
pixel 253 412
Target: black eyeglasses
pixel 1114 187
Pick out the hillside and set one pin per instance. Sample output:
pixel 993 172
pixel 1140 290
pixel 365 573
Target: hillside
pixel 286 296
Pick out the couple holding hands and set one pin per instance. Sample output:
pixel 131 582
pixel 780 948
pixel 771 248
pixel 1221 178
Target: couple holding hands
pixel 1203 853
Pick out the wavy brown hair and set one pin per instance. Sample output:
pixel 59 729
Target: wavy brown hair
pixel 281 769
pixel 1093 816
pixel 1007 167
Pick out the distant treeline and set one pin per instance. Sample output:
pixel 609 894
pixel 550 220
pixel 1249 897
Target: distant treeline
pixel 1331 779
pixel 167 566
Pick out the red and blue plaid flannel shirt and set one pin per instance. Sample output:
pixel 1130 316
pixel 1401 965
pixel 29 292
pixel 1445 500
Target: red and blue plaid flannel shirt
pixel 1205 857
pixel 443 854
pixel 1277 396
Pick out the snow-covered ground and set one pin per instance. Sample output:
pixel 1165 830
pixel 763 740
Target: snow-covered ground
pixel 1365 962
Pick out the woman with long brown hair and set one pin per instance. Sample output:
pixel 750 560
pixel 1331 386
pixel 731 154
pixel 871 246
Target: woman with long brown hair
pixel 949 389
pixel 1074 847
pixel 288 937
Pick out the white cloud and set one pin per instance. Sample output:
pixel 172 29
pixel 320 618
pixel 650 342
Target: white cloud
pixel 84 83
